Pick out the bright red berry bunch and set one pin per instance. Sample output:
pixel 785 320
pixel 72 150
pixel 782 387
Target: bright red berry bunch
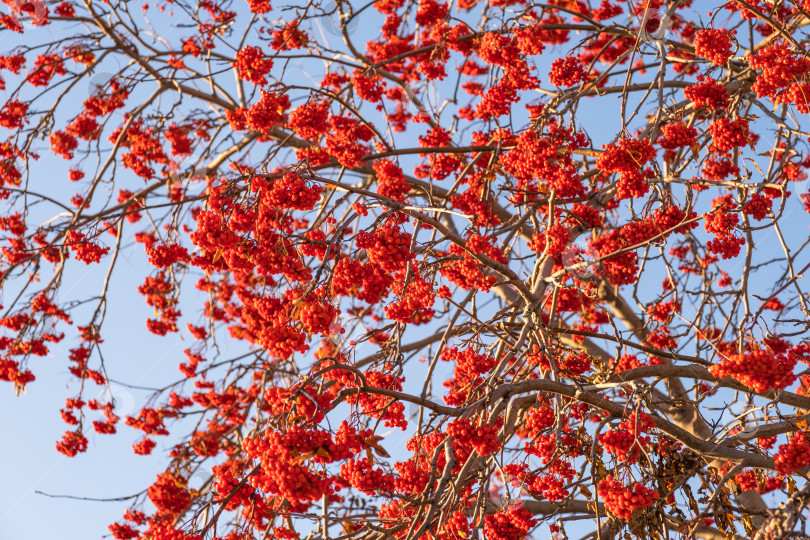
pixel 513 524
pixel 621 500
pixel 483 438
pixel 707 93
pixel 628 155
pixel 728 134
pixel 252 65
pixel 677 135
pixel 761 370
pixel 714 45
pixel 794 455
pixel 567 71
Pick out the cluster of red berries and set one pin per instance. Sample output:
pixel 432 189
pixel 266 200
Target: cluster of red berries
pixel 549 486
pixel 456 527
pixel 169 494
pixel 714 45
pixel 513 524
pixel 537 420
pixel 415 304
pixel 628 156
pixel 388 246
pixel 729 134
pixel 344 142
pixel 726 246
pixel 157 291
pixel 317 317
pixel 72 443
pixel 62 144
pixel 390 411
pixel 627 361
pixel 707 92
pixel 677 135
pixel 621 500
pixel 749 480
pixel 758 206
pixel 626 441
pixel 632 184
pixel 466 272
pixel 553 241
pixel 624 445
pixel 545 159
pixel 794 455
pixel 780 68
pixel 368 87
pixel 84 127
pixel 468 366
pixel 268 112
pixel 46 67
pixel 165 255
pixel 145 148
pixel 291 192
pixel 483 438
pixel 391 181
pixel 364 281
pixel 362 475
pixel 662 311
pixel 761 370
pixel 252 65
pixel 798 93
pixel 310 120
pixel 289 37
pixel 567 71
pixel 722 223
pixel 83 249
pixel 718 167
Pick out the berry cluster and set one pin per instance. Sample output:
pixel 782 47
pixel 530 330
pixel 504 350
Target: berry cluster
pixel 722 223
pixel 628 156
pixel 677 135
pixel 780 68
pixel 169 494
pixel 761 370
pixel 512 524
pixel 388 247
pixel 343 141
pixel 415 304
pixel 567 71
pixel 794 455
pixel 749 480
pixel 626 441
pixel 544 163
pixel 729 134
pixel 483 438
pixel 714 45
pixel 252 65
pixel 361 475
pixel 758 206
pixel 289 37
pixel 468 366
pixel 707 93
pixel 621 500
pixel 310 120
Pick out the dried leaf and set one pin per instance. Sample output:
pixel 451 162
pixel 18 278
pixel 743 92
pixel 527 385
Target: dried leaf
pixel 749 527
pixel 757 166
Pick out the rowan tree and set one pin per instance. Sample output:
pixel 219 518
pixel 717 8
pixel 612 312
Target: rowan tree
pixel 560 246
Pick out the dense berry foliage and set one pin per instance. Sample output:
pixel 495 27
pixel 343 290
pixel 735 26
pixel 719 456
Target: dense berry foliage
pixel 439 270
